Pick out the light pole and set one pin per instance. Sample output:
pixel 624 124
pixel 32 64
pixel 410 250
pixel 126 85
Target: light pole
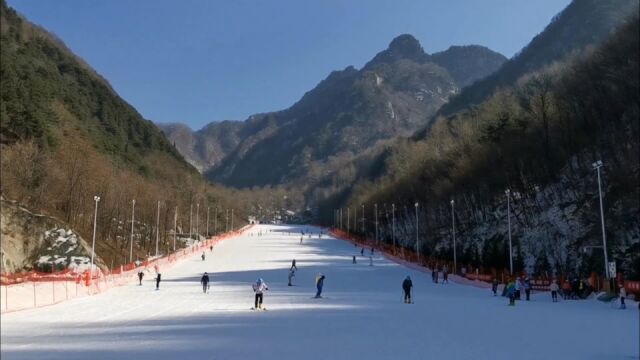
pixel 157 228
pixel 417 242
pixel 190 221
pixel 231 219
pixel 363 220
pixel 208 208
pixel 597 165
pixel 508 193
pixel 215 221
pixel 393 225
pixel 226 220
pixel 93 245
pixel 453 227
pixel 175 227
pixel 348 221
pixel 198 221
pixel 133 211
pixel 375 210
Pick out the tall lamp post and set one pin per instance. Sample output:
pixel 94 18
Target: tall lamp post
pixel 417 242
pixel 363 220
pixel 375 210
pixel 158 227
pixel 231 219
pixel 190 221
pixel 348 220
pixel 596 166
pixel 175 227
pixel 393 225
pixel 215 220
pixel 508 193
pixel 93 244
pixel 226 220
pixel 198 221
pixel 208 208
pixel 133 211
pixel 453 227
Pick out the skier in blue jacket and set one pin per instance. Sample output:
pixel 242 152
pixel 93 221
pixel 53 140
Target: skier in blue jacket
pixel 319 284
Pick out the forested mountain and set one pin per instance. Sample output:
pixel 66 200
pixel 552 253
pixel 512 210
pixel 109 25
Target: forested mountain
pixel 351 111
pixel 67 136
pixel 582 23
pixel 537 136
pixel 206 147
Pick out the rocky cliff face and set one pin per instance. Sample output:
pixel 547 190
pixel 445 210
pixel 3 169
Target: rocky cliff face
pixel 40 242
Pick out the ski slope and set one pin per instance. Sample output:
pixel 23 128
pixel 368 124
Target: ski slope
pixel 362 316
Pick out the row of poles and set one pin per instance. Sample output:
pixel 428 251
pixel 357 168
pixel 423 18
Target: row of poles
pixel 338 217
pixel 175 225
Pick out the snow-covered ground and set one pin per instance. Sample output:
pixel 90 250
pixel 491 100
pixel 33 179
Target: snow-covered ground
pixel 362 316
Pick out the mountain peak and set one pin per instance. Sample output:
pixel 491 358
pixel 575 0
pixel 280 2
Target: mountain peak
pixel 406 46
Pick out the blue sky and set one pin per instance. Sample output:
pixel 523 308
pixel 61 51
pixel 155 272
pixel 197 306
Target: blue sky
pixel 201 61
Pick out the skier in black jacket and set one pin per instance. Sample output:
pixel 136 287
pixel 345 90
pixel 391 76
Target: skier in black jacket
pixel 205 282
pixel 406 286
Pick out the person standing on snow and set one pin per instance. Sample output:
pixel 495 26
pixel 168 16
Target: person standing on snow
pixel 511 293
pixel 293 265
pixel 407 284
pixel 202 256
pixel 623 294
pixel 259 288
pixel 554 291
pixel 292 274
pixel 319 284
pixel 140 276
pixel 494 286
pixel 205 282
pixel 445 274
pixel 527 288
pixel 211 248
pixel 158 281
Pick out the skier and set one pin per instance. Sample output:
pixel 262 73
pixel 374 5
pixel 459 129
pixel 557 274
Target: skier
pixel 301 239
pixel 205 282
pixel 517 288
pixel 158 281
pixel 623 294
pixel 319 285
pixel 406 287
pixel 372 250
pixel 140 276
pixel 293 265
pixel 436 274
pixel 445 274
pixel 494 286
pixel 554 291
pixel 511 293
pixel 211 248
pixel 362 252
pixel 292 274
pixel 433 273
pixel 527 288
pixel 354 259
pixel 259 288
pixel 202 256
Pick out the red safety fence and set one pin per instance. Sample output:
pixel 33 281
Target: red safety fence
pixel 485 275
pixel 33 289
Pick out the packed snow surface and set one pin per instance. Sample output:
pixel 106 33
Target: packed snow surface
pixel 361 317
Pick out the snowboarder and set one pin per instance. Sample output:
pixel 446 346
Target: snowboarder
pixel 527 288
pixel 494 286
pixel 205 282
pixel 140 276
pixel 319 284
pixel 511 293
pixel 293 265
pixel 292 274
pixel 259 288
pixel 202 256
pixel 554 291
pixel 623 294
pixel 158 281
pixel 445 274
pixel 406 287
